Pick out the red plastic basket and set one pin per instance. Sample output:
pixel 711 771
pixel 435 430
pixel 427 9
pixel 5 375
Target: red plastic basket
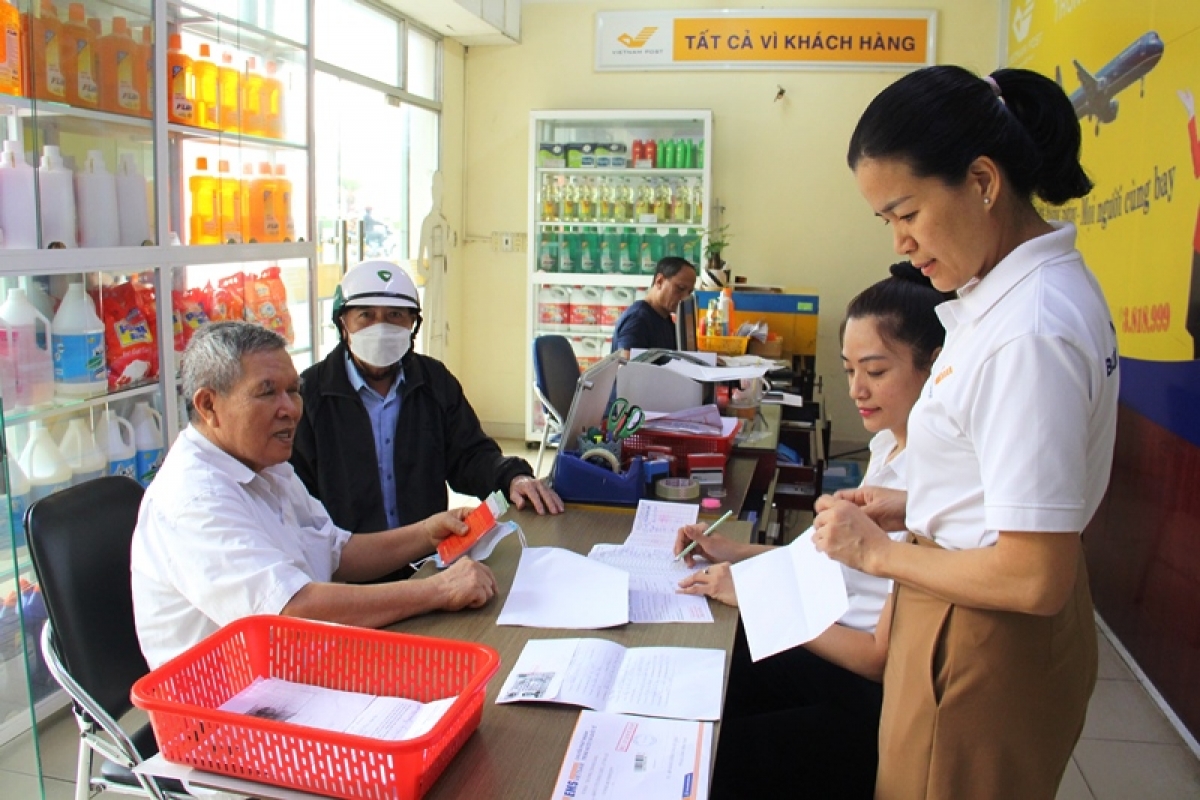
pixel 680 444
pixel 182 697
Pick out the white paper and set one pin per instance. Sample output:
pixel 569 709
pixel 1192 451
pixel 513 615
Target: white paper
pixel 654 577
pixel 657 522
pixel 677 682
pixel 388 718
pixel 788 596
pixel 556 588
pixel 617 757
pixel 713 374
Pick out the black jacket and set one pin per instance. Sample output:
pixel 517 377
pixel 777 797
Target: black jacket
pixel 438 440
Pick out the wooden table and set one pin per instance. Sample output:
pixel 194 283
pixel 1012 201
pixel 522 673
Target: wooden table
pixel 519 747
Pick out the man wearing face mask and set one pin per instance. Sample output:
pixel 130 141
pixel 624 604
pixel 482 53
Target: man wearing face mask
pixel 385 429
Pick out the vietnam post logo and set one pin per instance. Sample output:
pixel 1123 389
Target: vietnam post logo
pixel 639 41
pixel 1022 19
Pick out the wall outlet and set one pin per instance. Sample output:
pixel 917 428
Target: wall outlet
pixel 508 242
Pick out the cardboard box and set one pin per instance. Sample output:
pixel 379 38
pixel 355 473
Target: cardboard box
pixel 551 155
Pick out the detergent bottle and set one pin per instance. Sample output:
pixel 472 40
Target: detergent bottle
pixel 230 204
pixel 554 308
pixel 264 224
pixel 253 119
pixel 56 198
pixel 18 499
pixel 207 90
pixel 44 77
pixel 229 94
pixel 115 439
pixel 206 215
pixel 133 210
pixel 18 219
pixel 96 203
pixel 11 66
pixel 272 103
pixel 44 465
pixel 143 71
pixel 81 452
pixel 118 58
pixel 148 438
pixel 78 340
pixel 181 83
pixel 77 51
pixel 283 204
pixel 26 345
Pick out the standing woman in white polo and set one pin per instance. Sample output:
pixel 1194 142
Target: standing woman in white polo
pixel 992 657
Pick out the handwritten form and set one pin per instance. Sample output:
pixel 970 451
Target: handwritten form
pixel 806 583
pixel 675 682
pixel 635 758
pixel 656 523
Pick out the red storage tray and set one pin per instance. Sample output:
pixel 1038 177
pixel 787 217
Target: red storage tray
pixel 680 444
pixel 182 697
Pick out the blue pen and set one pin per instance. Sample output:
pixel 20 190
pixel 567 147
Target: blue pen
pixel 707 532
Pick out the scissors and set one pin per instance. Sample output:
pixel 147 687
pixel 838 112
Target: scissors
pixel 624 419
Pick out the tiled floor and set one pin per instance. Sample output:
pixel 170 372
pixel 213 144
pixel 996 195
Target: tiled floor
pixel 1129 750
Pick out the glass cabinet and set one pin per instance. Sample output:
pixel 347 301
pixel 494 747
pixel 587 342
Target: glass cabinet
pixel 611 193
pixel 154 176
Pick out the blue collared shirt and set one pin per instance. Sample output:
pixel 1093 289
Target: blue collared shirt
pixel 384 412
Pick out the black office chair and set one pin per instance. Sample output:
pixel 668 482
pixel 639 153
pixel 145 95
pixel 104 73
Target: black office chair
pixel 555 375
pixel 79 542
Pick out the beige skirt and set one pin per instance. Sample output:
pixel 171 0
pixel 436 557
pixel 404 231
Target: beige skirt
pixel 983 704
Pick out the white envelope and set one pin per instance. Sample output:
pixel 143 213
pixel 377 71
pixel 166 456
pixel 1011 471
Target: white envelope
pixel 556 588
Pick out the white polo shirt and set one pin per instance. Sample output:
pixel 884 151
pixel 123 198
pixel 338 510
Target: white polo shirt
pixel 1014 430
pixel 216 541
pixel 867 593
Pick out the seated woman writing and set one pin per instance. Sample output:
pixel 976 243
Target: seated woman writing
pixel 809 717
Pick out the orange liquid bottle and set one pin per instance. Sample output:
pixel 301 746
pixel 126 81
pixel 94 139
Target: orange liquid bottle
pixel 283 204
pixel 264 224
pixel 181 83
pixel 272 103
pixel 119 62
pixel 229 94
pixel 247 179
pixel 11 52
pixel 206 214
pixel 143 72
pixel 253 121
pixel 77 55
pixel 230 204
pixel 206 89
pixel 44 78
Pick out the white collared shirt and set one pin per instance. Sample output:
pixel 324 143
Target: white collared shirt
pixel 216 541
pixel 867 593
pixel 1015 427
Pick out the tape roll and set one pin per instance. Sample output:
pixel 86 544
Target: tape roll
pixel 601 457
pixel 677 488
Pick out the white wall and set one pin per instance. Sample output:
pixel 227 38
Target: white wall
pixel 778 168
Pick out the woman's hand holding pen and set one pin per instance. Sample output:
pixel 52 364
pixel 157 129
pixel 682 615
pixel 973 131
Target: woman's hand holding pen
pixel 715 582
pixel 713 548
pixel 844 532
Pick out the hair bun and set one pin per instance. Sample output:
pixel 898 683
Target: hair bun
pixel 905 271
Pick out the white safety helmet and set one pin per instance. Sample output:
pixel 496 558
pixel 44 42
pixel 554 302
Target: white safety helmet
pixel 376 283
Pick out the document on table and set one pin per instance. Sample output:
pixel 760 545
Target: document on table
pixel 389 718
pixel 788 596
pixel 677 682
pixel 656 523
pixel 654 577
pixel 556 588
pixel 617 757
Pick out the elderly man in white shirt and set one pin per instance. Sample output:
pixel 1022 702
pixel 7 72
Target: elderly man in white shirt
pixel 227 530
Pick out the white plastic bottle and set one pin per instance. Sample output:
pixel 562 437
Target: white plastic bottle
pixel 8 370
pixel 81 452
pixel 18 219
pixel 78 337
pixel 133 212
pixel 44 465
pixel 27 343
pixel 18 499
pixel 725 311
pixel 56 198
pixel 114 438
pixel 554 307
pixel 96 203
pixel 148 438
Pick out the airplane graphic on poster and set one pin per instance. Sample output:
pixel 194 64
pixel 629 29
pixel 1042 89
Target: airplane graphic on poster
pixel 1096 97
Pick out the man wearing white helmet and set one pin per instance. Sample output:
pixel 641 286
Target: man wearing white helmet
pixel 384 428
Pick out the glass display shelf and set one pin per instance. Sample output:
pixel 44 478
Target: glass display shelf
pixel 232 138
pixel 592 278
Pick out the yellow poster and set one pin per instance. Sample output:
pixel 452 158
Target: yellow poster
pixel 1133 73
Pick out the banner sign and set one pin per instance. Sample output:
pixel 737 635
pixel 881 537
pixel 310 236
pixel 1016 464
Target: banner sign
pixel 764 39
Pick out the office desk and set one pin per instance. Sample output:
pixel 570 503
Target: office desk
pixel 519 747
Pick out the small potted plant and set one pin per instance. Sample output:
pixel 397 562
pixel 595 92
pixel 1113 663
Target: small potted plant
pixel 715 273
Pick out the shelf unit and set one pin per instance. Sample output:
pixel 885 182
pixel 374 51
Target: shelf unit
pixel 636 211
pixel 166 152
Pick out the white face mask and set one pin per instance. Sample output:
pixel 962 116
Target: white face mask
pixel 381 345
